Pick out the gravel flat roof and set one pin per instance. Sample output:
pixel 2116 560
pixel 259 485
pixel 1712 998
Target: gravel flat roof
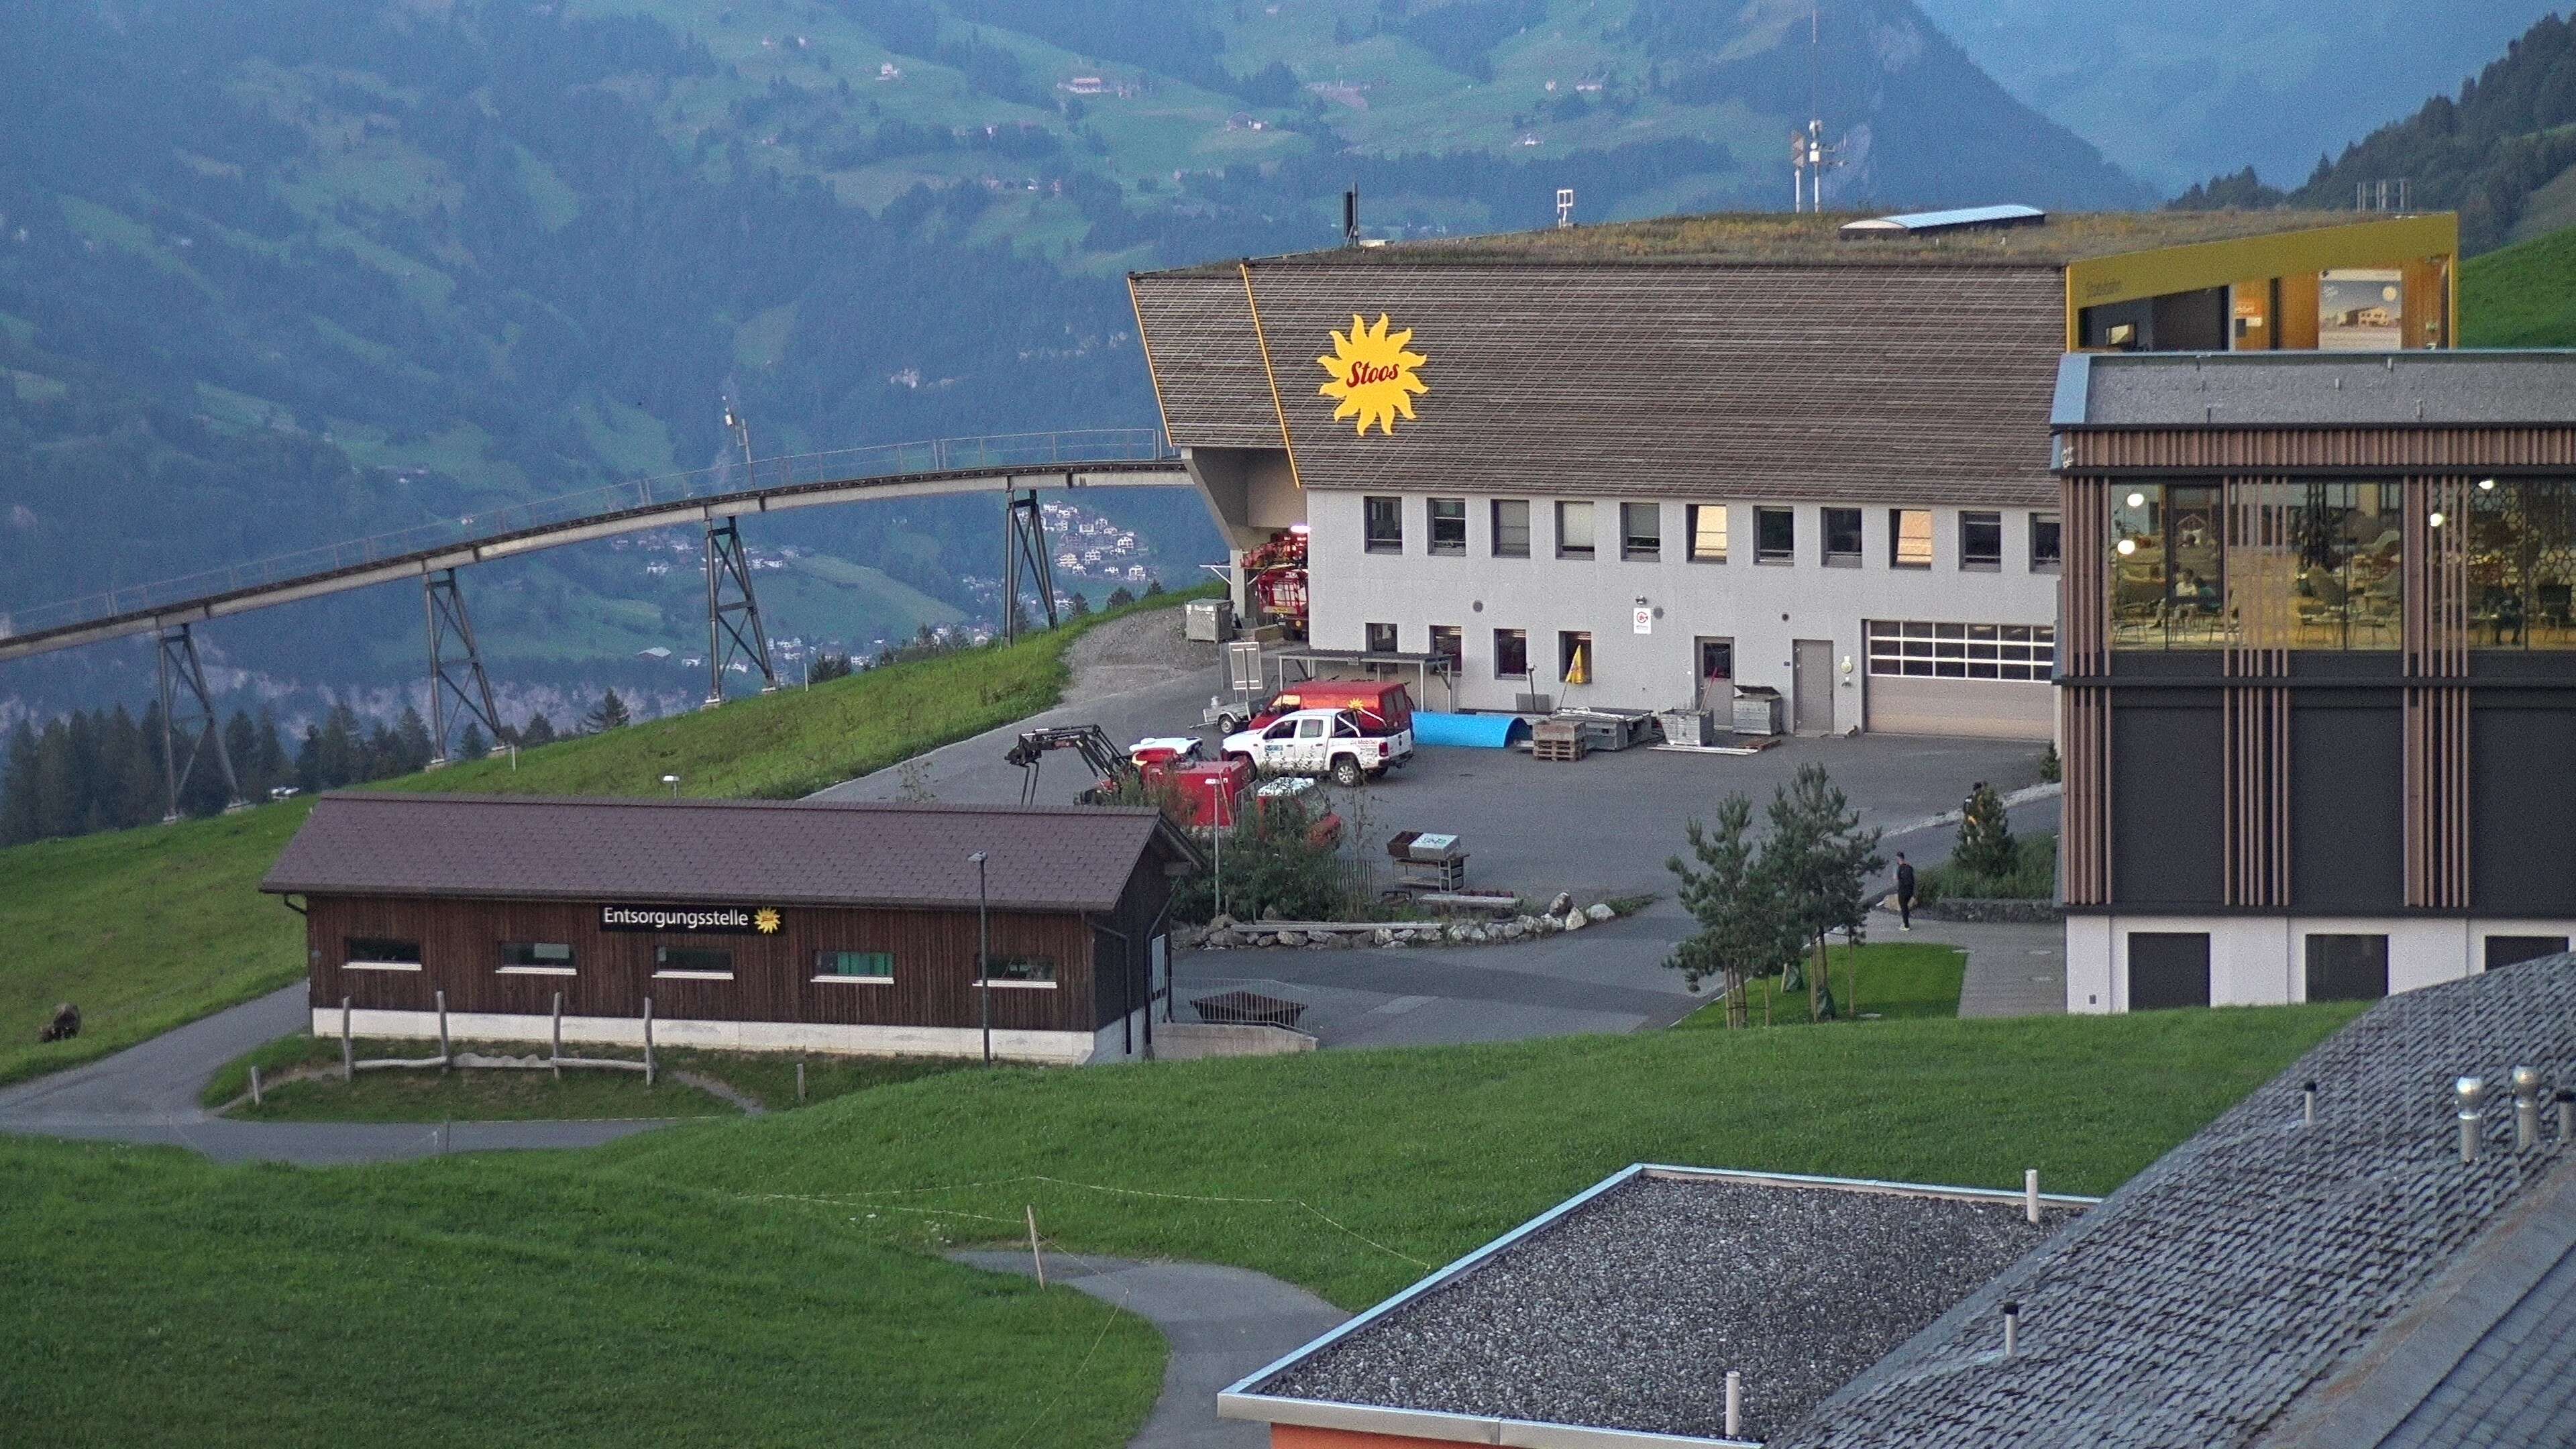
pixel 1627 1312
pixel 2317 389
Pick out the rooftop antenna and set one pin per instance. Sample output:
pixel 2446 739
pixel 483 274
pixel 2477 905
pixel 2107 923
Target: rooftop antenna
pixel 1351 216
pixel 1808 153
pixel 1564 207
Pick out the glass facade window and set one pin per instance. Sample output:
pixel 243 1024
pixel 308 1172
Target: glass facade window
pixel 2522 563
pixel 1511 528
pixel 1842 537
pixel 1641 531
pixel 2347 968
pixel 1447 643
pixel 1981 540
pixel 692 961
pixel 855 965
pixel 380 951
pixel 1023 970
pixel 2167 551
pixel 1449 526
pixel 1775 536
pixel 1574 530
pixel 2047 543
pixel 1962 651
pixel 1383 524
pixel 1381 638
pixel 1511 654
pixel 1574 656
pixel 2315 565
pixel 1909 538
pixel 551 958
pixel 1708 532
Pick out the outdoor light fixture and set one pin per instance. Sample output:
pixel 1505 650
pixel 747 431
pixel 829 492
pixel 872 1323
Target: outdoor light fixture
pixel 2137 500
pixel 2125 547
pixel 2435 520
pixel 674 782
pixel 1299 529
pixel 2486 485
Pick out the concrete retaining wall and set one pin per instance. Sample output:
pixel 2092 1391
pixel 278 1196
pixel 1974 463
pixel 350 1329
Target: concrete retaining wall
pixel 1187 1041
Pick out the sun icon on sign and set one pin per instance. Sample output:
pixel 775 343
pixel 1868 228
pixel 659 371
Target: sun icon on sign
pixel 1373 375
pixel 765 921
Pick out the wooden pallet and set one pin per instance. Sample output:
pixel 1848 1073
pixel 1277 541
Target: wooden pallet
pixel 1563 751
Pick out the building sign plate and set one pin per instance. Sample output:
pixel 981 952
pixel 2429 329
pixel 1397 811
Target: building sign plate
pixel 690 920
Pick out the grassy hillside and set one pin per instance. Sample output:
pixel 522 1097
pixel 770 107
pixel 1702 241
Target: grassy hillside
pixel 146 929
pixel 2522 296
pixel 770 1280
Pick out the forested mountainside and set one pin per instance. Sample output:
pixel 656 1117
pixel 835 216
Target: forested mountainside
pixel 278 272
pixel 2179 90
pixel 2502 152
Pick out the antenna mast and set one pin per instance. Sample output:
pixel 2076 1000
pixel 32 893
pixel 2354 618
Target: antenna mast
pixel 1808 153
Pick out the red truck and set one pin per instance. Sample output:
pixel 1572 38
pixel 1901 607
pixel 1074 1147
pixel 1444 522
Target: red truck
pixel 1382 706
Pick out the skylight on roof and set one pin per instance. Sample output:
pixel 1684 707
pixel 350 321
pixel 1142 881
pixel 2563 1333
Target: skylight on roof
pixel 1917 223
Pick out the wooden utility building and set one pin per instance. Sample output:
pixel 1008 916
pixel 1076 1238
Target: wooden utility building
pixel 756 925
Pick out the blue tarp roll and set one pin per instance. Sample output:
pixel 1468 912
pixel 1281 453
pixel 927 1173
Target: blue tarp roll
pixel 1474 731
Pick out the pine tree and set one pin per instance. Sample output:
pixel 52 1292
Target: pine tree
pixel 1153 587
pixel 18 821
pixel 1744 929
pixel 1822 861
pixel 1081 607
pixel 539 731
pixel 610 714
pixel 1986 847
pixel 471 745
pixel 1121 596
pixel 412 744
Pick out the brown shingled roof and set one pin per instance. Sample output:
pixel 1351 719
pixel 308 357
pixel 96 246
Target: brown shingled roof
pixel 853 853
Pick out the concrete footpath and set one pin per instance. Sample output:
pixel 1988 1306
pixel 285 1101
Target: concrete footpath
pixel 148 1093
pixel 1221 1323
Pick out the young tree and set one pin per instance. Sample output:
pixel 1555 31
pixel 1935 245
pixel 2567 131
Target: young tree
pixel 1121 596
pixel 471 745
pixel 1081 607
pixel 1823 863
pixel 1743 928
pixel 538 731
pixel 1153 587
pixel 1986 847
pixel 610 714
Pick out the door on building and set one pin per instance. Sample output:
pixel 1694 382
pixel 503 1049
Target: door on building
pixel 2168 969
pixel 1811 686
pixel 1716 659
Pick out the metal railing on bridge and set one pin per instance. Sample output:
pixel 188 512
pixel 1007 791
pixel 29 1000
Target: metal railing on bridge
pixel 847 465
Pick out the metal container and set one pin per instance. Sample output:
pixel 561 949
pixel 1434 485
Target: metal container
pixel 1760 710
pixel 1688 727
pixel 1208 621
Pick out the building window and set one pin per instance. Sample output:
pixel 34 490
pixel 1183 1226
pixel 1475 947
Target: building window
pixel 1641 531
pixel 536 958
pixel 380 953
pixel 1383 530
pixel 1023 971
pixel 1574 656
pixel 1448 644
pixel 1909 538
pixel 1381 639
pixel 1962 651
pixel 1981 541
pixel 2168 969
pixel 1775 536
pixel 2347 968
pixel 854 966
pixel 693 963
pixel 1449 526
pixel 1574 530
pixel 1511 654
pixel 1511 528
pixel 2503 951
pixel 2522 563
pixel 1708 532
pixel 2273 565
pixel 1842 538
pixel 2047 543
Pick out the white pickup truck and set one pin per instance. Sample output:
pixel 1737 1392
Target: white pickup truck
pixel 1321 742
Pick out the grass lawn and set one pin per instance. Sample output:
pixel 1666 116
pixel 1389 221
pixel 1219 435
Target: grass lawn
pixel 1892 981
pixel 150 928
pixel 514 1298
pixel 509 1094
pixel 2521 296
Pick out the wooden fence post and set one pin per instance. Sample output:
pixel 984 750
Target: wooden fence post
pixel 348 1056
pixel 648 1041
pixel 800 1079
pixel 443 1053
pixel 254 1084
pixel 558 1056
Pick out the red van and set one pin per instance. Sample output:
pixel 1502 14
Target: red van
pixel 1382 706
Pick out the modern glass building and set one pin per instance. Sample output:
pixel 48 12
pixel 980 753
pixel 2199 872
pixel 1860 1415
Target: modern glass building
pixel 2318 673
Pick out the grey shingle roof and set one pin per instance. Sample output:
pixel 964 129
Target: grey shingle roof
pixel 2316 389
pixel 1627 1312
pixel 2516 1385
pixel 803 852
pixel 2250 1266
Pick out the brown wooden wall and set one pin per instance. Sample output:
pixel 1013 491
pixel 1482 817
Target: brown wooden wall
pixel 934 955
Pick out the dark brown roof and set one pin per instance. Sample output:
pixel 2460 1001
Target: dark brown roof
pixel 854 853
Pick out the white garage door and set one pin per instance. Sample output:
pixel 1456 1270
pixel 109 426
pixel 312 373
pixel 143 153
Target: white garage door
pixel 1986 681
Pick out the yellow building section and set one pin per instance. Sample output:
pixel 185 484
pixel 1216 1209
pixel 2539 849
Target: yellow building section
pixel 2424 246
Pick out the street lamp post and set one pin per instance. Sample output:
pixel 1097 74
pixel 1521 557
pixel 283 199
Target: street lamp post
pixel 674 782
pixel 983 955
pixel 1217 828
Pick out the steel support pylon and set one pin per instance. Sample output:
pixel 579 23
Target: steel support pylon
pixel 444 604
pixel 180 671
pixel 1024 547
pixel 733 623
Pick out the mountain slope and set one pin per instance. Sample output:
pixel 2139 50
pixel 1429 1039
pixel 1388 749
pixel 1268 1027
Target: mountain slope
pixel 279 272
pixel 2522 296
pixel 2185 89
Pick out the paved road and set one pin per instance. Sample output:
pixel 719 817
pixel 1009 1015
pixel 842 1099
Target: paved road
pixel 148 1093
pixel 1221 1323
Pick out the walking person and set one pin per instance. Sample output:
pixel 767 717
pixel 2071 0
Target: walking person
pixel 1904 892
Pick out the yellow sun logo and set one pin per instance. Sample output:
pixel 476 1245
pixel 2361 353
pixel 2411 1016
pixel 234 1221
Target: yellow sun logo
pixel 765 921
pixel 1373 375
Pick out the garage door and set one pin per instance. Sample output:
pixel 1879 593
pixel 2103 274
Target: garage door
pixel 1985 681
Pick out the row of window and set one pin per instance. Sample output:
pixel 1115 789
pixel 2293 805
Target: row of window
pixel 1775 533
pixel 707 963
pixel 1896 647
pixel 2171 968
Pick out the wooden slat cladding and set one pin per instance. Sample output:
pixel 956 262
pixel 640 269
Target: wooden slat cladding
pixel 934 971
pixel 1207 368
pixel 2257 721
pixel 2383 450
pixel 1881 384
pixel 2085 710
pixel 2437 714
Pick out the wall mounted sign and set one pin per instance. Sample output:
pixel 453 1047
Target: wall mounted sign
pixel 1644 619
pixel 1373 377
pixel 691 920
